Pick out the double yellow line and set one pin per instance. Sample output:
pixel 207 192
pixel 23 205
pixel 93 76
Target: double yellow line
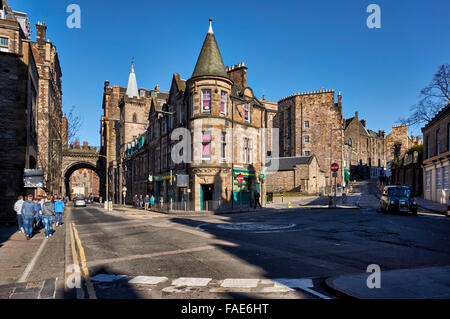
pixel 74 237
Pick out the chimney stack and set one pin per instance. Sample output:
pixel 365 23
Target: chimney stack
pixel 41 33
pixel 238 74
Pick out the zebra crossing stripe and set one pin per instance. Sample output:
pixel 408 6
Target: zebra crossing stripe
pixel 147 280
pixel 193 282
pixel 240 283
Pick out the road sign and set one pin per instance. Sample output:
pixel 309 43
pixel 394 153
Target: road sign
pixel 262 176
pixel 334 167
pixel 240 178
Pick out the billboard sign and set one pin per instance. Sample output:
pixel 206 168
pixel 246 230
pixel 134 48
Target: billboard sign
pixel 33 178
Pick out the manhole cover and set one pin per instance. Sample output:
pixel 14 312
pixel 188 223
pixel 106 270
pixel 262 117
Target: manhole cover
pixel 255 226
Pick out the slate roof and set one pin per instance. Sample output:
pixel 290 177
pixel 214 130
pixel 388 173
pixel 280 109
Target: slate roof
pixel 210 60
pixel 288 163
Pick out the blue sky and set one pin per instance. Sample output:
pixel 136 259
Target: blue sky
pixel 288 46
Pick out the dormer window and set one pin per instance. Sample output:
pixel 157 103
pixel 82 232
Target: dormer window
pixel 206 101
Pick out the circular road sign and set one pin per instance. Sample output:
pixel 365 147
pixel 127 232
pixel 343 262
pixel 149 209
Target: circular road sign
pixel 334 167
pixel 240 178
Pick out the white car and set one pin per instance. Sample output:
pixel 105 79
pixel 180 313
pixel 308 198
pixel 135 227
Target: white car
pixel 79 202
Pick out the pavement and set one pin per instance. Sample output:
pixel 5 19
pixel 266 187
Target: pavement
pixel 422 283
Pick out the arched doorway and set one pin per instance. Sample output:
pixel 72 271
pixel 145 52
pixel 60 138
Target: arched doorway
pixel 82 178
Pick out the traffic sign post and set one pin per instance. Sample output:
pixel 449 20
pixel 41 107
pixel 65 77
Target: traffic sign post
pixel 335 168
pixel 240 180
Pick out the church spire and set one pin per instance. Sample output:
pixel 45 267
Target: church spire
pixel 132 89
pixel 210 60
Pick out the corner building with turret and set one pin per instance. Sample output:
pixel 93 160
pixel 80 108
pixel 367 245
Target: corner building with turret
pixel 207 134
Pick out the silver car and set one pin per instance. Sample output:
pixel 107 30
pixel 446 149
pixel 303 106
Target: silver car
pixel 79 202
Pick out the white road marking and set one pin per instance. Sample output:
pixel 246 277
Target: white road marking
pixel 33 261
pixel 240 283
pixel 147 280
pixel 194 282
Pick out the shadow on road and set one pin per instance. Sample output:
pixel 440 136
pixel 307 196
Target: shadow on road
pixel 6 232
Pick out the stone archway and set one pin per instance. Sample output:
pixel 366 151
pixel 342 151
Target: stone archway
pixel 72 169
pixel 78 159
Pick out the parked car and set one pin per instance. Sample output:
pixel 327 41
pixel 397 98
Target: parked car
pixel 79 202
pixel 398 199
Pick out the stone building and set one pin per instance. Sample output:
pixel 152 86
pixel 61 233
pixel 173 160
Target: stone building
pixel 311 123
pixel 84 182
pixel 19 90
pixel 398 142
pixel 50 130
pixel 436 154
pixel 298 174
pixel 364 150
pixel 125 117
pixel 198 142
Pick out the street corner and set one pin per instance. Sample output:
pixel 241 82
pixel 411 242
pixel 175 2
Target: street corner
pixel 417 283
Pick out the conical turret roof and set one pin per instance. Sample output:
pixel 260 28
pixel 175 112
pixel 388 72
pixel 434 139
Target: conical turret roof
pixel 132 88
pixel 210 60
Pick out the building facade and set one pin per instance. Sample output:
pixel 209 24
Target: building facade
pixel 125 117
pixel 50 130
pixel 201 139
pixel 19 91
pixel 398 142
pixel 364 150
pixel 436 157
pixel 311 123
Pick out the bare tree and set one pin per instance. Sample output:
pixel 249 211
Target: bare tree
pixel 432 98
pixel 74 123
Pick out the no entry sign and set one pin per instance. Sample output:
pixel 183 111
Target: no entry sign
pixel 334 167
pixel 240 178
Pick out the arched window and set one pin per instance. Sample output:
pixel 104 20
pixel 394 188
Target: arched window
pixel 134 118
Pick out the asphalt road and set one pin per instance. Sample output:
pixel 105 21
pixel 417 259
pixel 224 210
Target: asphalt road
pixel 245 255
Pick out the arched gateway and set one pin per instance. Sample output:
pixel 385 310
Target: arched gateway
pixel 74 159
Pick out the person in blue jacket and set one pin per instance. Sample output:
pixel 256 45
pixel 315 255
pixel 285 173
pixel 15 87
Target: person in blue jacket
pixel 59 210
pixel 28 212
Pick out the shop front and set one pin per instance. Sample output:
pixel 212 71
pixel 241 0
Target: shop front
pixel 242 195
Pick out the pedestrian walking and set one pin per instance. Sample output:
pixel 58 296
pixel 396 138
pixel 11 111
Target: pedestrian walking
pixel 18 209
pixel 161 202
pixel 141 201
pixel 37 215
pixel 48 211
pixel 135 200
pixel 28 212
pixel 59 210
pixel 152 201
pixel 257 197
pixel 146 202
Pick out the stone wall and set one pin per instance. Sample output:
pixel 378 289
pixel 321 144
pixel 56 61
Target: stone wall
pixel 325 120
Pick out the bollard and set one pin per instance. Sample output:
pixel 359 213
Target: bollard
pixel 289 205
